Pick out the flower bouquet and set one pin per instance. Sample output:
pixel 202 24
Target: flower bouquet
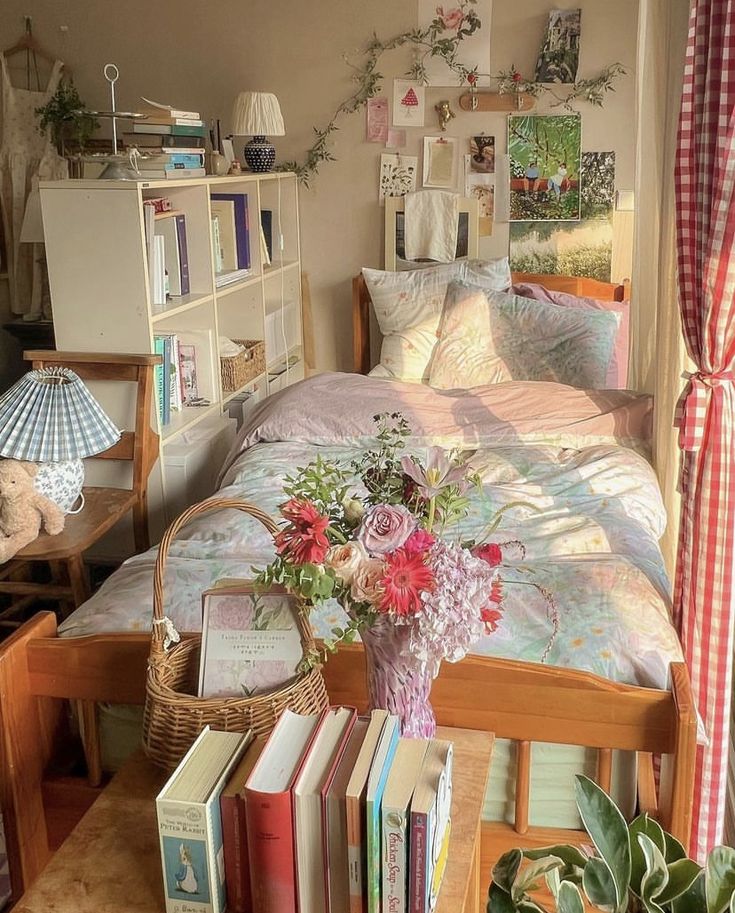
pixel 372 535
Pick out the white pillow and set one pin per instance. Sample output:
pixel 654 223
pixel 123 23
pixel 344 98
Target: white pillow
pixel 408 307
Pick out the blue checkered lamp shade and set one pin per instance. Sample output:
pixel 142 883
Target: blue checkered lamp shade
pixel 50 416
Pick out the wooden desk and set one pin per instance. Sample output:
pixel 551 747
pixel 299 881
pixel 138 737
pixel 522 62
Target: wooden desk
pixel 111 861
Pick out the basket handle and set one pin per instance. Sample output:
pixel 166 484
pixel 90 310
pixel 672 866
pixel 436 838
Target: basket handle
pixel 195 510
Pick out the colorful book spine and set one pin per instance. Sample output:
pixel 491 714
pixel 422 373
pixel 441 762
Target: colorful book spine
pixel 372 814
pixel 183 247
pixel 158 375
pixel 242 226
pixel 271 851
pixel 418 890
pixel 216 245
pixel 237 870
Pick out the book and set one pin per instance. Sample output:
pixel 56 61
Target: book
pixel 334 821
pixel 166 379
pixel 188 373
pixel 355 794
pixel 216 245
pixel 158 376
pixel 190 823
pixel 175 174
pixel 269 813
pixel 157 119
pixel 173 232
pixel 146 127
pixel 171 369
pixel 165 142
pixel 379 770
pixel 224 210
pixel 234 832
pixel 395 817
pixel 169 160
pixel 311 872
pixel 156 108
pixel 149 217
pixel 431 809
pixel 158 283
pixel 250 641
pixel 242 225
pixel 265 257
pixel 236 275
pixel 266 224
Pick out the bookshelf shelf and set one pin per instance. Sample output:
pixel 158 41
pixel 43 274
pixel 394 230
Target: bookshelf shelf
pixel 100 285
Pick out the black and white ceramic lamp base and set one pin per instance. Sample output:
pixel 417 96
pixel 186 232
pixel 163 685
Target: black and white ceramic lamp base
pixel 260 154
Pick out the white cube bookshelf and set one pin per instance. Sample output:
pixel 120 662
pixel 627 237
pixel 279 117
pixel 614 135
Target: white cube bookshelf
pixel 102 302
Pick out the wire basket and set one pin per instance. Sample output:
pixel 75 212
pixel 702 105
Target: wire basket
pixel 238 370
pixel 174 715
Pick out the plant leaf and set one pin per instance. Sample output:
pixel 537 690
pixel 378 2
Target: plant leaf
pixel 693 899
pixel 598 883
pixel 506 868
pixel 656 876
pixel 719 878
pixel 499 901
pixel 609 832
pixel 681 875
pixel 643 824
pixel 570 900
pixel 528 879
pixel 674 849
pixel 569 854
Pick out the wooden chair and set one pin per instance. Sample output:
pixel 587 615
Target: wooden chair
pixel 103 507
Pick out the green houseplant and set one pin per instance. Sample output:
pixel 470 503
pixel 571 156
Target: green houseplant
pixel 636 868
pixel 70 122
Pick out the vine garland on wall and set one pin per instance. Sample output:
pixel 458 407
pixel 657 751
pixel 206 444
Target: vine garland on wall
pixel 442 38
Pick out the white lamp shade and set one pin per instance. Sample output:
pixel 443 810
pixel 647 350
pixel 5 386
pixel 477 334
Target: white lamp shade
pixel 50 415
pixel 257 114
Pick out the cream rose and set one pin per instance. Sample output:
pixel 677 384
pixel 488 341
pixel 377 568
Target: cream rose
pixel 366 581
pixel 345 559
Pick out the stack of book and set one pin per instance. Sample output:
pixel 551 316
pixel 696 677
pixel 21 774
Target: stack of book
pixel 334 813
pixel 176 377
pixel 168 253
pixel 230 237
pixel 171 141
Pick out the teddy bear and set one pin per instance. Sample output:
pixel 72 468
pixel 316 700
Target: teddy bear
pixel 23 509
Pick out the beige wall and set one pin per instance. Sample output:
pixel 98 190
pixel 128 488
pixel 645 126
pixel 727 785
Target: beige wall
pixel 200 54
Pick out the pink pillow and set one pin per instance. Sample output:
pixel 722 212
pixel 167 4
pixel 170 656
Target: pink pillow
pixel 617 372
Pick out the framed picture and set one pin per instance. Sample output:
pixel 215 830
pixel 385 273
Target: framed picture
pixel 251 642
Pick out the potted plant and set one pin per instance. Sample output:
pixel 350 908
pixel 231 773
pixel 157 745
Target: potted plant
pixel 635 868
pixel 70 122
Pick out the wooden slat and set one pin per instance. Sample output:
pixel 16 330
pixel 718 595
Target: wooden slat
pixel 677 772
pixel 360 325
pixel 91 358
pixel 647 798
pixel 123 450
pixel 604 768
pixel 22 587
pixel 523 786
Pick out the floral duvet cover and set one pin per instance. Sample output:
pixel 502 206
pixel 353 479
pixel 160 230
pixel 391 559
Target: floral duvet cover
pixel 584 582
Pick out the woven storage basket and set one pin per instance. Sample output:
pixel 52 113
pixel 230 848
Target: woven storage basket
pixel 237 370
pixel 174 715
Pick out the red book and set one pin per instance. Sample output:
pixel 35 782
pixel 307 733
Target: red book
pixel 269 814
pixel 234 833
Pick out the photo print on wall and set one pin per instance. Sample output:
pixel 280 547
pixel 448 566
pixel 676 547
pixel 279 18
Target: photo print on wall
pixel 558 59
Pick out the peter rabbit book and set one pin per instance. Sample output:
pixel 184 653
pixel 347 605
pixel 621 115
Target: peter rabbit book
pixel 190 823
pixel 395 816
pixel 382 761
pixel 250 641
pixel 328 742
pixel 355 812
pixel 430 827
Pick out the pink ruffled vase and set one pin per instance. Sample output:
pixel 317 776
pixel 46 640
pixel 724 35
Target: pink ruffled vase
pixel 399 681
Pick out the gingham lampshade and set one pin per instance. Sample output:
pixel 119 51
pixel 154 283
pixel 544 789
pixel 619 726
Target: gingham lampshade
pixel 50 416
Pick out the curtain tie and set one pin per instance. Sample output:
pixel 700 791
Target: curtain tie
pixel 691 410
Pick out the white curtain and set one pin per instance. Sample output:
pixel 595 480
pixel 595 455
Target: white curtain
pixel 658 357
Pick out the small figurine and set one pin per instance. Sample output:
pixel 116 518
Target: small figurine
pixel 445 114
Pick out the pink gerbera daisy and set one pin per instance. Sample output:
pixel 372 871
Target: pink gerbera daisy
pixel 405 578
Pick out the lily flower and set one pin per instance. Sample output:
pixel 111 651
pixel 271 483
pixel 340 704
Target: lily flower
pixel 440 473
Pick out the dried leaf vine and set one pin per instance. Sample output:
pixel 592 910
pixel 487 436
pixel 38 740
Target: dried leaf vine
pixel 442 38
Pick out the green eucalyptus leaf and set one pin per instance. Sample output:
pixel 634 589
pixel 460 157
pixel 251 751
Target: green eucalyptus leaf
pixel 643 824
pixel 693 899
pixel 609 833
pixel 571 855
pixel 598 883
pixel 656 876
pixel 499 901
pixel 528 879
pixel 569 900
pixel 674 849
pixel 719 878
pixel 681 875
pixel 506 868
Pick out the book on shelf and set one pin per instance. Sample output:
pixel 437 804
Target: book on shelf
pixel 188 373
pixel 159 374
pixel 161 118
pixel 156 108
pixel 234 832
pixel 266 225
pixel 146 127
pixel 190 823
pixel 173 232
pixel 265 257
pixel 355 812
pixel 165 142
pixel 334 815
pixel 430 827
pixel 172 160
pixel 223 279
pixel 158 272
pixel 224 210
pixel 395 814
pixel 269 813
pixel 382 760
pixel 171 369
pixel 242 224
pixel 216 245
pixel 166 174
pixel 251 641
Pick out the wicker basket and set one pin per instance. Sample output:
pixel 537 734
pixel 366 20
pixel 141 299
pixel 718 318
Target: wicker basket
pixel 238 370
pixel 174 715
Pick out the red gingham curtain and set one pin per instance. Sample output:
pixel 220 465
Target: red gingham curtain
pixel 705 191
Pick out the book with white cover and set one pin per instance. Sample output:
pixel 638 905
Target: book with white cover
pixel 225 212
pixel 158 285
pixel 431 826
pixel 190 823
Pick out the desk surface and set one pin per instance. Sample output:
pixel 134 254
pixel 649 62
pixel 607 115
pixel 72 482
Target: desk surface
pixel 111 861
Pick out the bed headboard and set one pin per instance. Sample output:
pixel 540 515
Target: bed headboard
pixel 572 285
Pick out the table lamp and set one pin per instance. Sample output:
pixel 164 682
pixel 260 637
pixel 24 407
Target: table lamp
pixel 258 114
pixel 49 417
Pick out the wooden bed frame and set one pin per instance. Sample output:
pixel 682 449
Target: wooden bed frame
pixel 40 672
pixel 361 305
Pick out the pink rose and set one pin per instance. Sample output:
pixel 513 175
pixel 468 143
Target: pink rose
pixel 452 19
pixel 419 541
pixel 385 527
pixel 489 552
pixel 366 582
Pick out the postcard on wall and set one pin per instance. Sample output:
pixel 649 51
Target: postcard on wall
pixel 250 641
pixel 397 174
pixel 562 248
pixel 396 138
pixel 474 49
pixel 545 165
pixel 598 185
pixel 482 154
pixel 559 56
pixel 409 101
pixel 377 120
pixel 440 162
pixel 481 187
